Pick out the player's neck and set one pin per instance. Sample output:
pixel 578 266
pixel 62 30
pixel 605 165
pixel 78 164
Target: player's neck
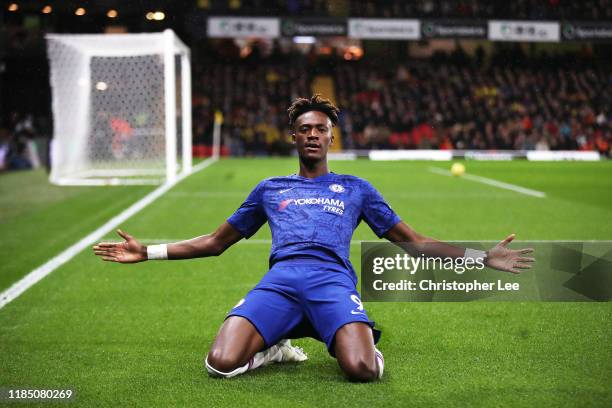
pixel 313 169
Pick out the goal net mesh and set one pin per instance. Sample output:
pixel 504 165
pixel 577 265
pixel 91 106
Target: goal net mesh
pixel 110 109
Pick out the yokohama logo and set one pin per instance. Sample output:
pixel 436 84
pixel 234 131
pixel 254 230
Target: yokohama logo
pixel 312 201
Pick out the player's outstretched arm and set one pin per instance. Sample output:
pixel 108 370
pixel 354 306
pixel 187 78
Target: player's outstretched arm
pixel 132 251
pixel 403 233
pixel 205 245
pixel 499 257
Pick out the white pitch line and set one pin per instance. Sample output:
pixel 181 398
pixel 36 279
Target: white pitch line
pixel 429 194
pixel 241 242
pixel 45 269
pixel 492 182
pixel 213 194
pixel 358 242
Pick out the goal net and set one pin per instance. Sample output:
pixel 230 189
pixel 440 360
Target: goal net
pixel 121 108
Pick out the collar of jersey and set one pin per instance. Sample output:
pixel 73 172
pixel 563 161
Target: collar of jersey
pixel 319 178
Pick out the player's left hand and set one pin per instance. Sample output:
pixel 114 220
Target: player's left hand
pixel 509 260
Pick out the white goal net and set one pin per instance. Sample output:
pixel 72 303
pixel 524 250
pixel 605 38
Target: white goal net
pixel 121 108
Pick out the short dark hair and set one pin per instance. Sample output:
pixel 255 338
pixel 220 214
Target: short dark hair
pixel 315 103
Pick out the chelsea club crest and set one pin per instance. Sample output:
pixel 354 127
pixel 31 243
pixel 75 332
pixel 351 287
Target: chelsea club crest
pixel 336 188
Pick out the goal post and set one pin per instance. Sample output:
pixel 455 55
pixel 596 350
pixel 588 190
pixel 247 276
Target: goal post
pixel 121 108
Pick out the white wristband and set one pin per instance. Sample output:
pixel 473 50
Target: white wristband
pixel 474 254
pixel 157 252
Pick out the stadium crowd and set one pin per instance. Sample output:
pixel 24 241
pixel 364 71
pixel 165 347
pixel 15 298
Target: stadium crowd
pixel 254 99
pixel 446 102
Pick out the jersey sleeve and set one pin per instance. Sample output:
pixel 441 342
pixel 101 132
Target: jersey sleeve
pixel 250 216
pixel 376 212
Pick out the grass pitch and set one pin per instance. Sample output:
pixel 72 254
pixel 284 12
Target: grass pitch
pixel 135 335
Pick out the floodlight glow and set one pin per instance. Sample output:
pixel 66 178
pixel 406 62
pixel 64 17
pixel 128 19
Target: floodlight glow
pixel 111 13
pixel 13 7
pixel 47 9
pixel 101 86
pixel 80 11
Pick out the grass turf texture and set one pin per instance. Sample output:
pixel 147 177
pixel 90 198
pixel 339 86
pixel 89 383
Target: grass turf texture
pixel 135 335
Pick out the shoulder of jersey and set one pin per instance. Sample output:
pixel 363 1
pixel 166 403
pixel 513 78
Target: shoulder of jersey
pixel 283 180
pixel 348 178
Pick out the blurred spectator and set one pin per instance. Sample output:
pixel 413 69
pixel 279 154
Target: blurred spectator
pixel 17 157
pixel 5 146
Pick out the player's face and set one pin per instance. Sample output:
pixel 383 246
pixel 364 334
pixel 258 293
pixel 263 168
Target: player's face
pixel 313 135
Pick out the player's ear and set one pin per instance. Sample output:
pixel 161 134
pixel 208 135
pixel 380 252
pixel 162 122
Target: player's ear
pixel 293 137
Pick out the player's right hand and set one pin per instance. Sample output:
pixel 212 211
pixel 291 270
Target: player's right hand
pixel 129 251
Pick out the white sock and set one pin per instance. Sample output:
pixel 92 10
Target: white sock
pixel 380 362
pixel 213 372
pixel 265 357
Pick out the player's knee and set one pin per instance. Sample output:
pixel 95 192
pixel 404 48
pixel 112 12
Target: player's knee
pixel 360 369
pixel 219 360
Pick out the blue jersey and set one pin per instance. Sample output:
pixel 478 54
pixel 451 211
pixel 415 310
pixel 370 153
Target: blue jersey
pixel 313 218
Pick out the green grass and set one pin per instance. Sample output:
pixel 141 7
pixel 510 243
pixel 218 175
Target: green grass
pixel 39 220
pixel 135 335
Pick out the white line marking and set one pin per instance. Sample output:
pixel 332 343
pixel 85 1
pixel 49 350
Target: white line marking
pixel 358 242
pixel 491 182
pixel 45 269
pixel 215 194
pixel 428 194
pixel 169 240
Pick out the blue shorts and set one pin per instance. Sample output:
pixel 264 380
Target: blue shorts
pixel 303 299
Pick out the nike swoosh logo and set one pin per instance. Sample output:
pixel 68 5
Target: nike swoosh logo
pixel 354 312
pixel 284 191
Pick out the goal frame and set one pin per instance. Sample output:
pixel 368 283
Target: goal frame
pixel 166 44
